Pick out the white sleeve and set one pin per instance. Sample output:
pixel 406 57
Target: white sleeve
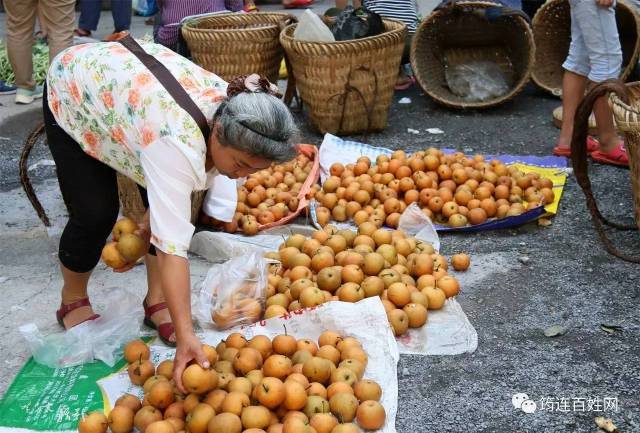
pixel 170 180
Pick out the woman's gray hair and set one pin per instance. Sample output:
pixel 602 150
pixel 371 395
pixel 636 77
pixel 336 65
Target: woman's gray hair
pixel 259 124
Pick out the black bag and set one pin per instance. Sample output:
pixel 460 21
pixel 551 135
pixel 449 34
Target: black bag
pixel 357 23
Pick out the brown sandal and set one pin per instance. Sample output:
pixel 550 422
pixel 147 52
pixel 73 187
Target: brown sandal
pixel 68 308
pixel 165 330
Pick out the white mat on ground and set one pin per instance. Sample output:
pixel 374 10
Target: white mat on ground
pixel 365 321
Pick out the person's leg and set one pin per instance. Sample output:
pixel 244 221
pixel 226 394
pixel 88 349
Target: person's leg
pixel 155 295
pixel 90 192
pixel 21 20
pixel 574 81
pixel 404 81
pixel 573 88
pixel 58 17
pixel 89 15
pixel 598 25
pixel 121 12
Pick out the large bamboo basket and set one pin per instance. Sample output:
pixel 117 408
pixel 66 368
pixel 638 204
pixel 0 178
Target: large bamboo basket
pixel 457 35
pixel 237 44
pixel 132 206
pixel 552 35
pixel 625 101
pixel 627 117
pixel 347 86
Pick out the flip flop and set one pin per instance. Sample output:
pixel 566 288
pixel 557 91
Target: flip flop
pixel 165 330
pixel 250 9
pixel 617 156
pixel 592 146
pixel 68 308
pixel 299 4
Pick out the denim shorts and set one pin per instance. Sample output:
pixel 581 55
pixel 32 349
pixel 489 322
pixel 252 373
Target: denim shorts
pixel 595 50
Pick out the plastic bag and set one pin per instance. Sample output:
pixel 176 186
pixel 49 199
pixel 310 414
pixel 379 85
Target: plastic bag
pixel 101 339
pixel 414 222
pixel 218 247
pixel 477 81
pixel 312 29
pixel 233 293
pixel 145 8
pixel 357 23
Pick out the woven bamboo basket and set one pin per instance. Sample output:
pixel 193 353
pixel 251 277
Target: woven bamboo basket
pixel 458 35
pixel 237 44
pixel 132 206
pixel 347 86
pixel 552 35
pixel 625 102
pixel 627 116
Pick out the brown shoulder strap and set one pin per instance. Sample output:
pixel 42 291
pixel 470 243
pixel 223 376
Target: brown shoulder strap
pixel 169 82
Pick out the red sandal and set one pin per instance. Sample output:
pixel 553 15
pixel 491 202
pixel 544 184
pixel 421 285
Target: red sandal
pixel 299 4
pixel 592 146
pixel 618 156
pixel 165 330
pixel 68 308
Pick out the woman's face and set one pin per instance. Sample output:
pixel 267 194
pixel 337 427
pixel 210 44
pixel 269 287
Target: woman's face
pixel 234 163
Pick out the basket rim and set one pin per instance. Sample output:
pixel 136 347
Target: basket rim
pixel 190 28
pixel 621 105
pixel 515 90
pixel 624 74
pixel 400 27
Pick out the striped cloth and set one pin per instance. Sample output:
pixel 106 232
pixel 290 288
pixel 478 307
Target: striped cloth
pixel 401 10
pixel 173 11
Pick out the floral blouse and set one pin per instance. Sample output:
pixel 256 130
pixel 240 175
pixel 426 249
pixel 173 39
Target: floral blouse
pixel 119 113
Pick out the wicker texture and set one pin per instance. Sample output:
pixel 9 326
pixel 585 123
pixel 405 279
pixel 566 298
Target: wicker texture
pixel 347 86
pixel 237 44
pixel 457 35
pixel 132 206
pixel 627 118
pixel 552 35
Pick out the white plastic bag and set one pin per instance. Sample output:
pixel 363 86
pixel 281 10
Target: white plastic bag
pixel 365 320
pixel 477 80
pixel 218 247
pixel 101 339
pixel 414 222
pixel 312 29
pixel 233 293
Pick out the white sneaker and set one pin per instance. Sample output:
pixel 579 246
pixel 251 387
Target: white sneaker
pixel 27 96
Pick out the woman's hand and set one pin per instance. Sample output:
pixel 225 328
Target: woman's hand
pixel 188 348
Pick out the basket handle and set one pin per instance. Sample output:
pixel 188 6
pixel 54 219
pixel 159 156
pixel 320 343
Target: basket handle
pixel 291 91
pixel 31 140
pixel 580 166
pixel 490 13
pixel 348 88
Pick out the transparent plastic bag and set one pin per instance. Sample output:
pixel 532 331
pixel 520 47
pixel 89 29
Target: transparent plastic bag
pixel 416 223
pixel 477 80
pixel 101 339
pixel 312 29
pixel 234 292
